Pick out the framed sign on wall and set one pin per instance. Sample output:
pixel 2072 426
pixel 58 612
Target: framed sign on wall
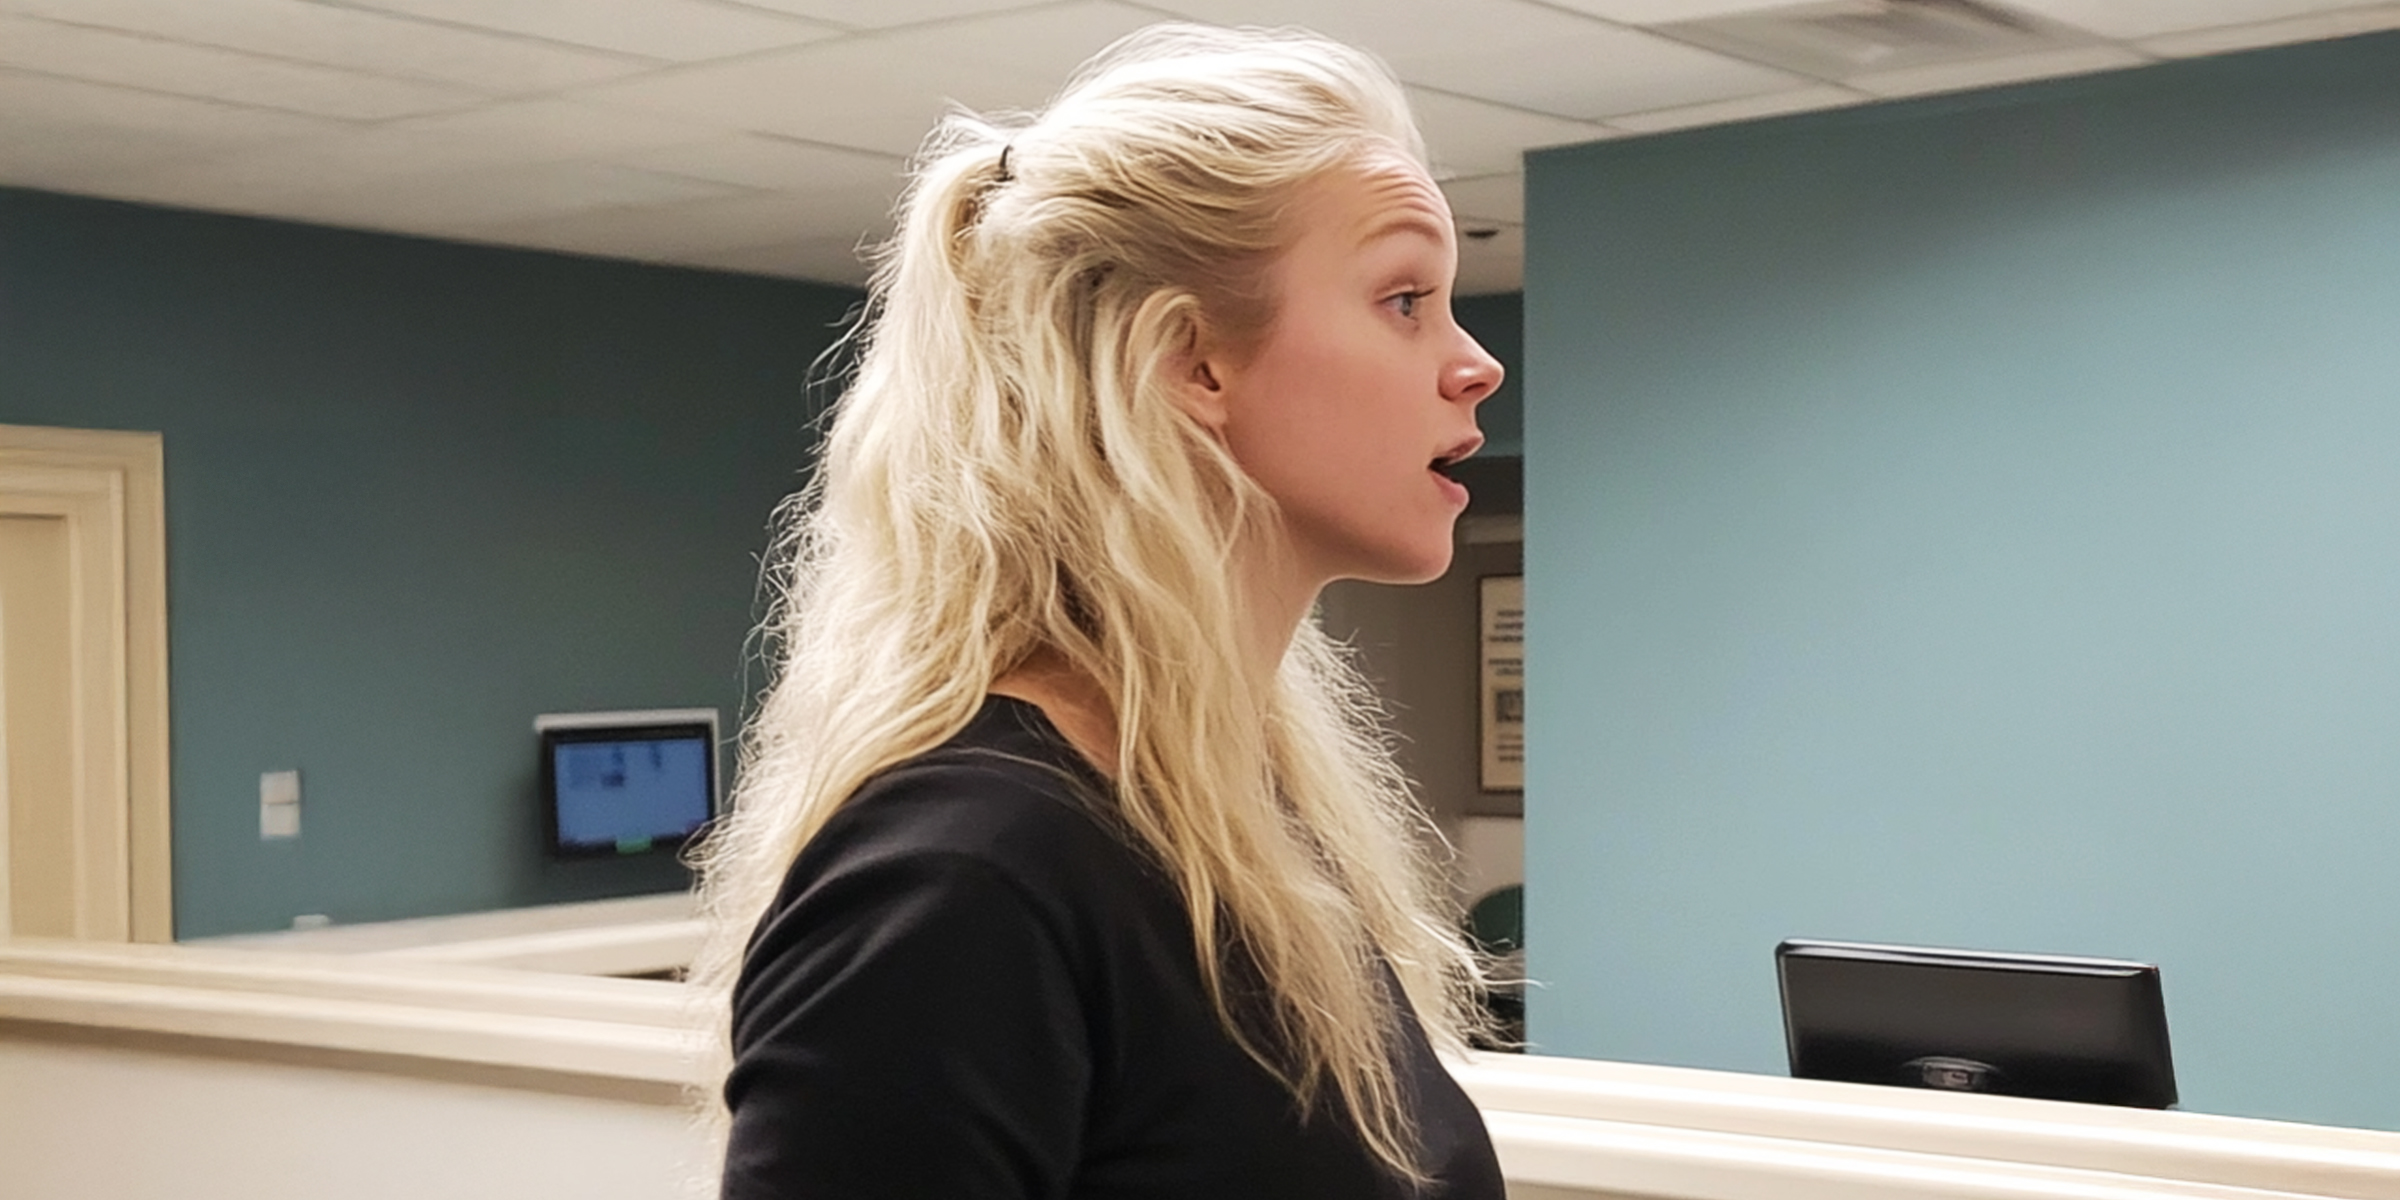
pixel 1503 682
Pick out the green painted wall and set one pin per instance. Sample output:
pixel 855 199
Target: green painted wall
pixel 1977 522
pixel 416 493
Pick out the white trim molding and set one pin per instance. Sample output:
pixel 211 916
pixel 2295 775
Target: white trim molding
pixel 109 488
pixel 1565 1129
pixel 1638 1130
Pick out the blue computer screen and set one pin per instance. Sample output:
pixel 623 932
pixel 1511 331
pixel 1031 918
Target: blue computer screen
pixel 626 793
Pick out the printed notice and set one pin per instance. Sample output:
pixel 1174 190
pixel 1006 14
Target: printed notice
pixel 1503 683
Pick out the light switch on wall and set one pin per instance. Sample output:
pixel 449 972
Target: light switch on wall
pixel 279 805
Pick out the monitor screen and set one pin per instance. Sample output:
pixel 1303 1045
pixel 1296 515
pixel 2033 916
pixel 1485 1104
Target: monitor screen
pixel 627 783
pixel 2089 1029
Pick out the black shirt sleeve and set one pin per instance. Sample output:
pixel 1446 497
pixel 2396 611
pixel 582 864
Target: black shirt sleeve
pixel 907 1025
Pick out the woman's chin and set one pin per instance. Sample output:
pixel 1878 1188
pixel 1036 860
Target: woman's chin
pixel 1416 566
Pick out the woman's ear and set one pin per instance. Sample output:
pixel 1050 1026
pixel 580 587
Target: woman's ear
pixel 1199 383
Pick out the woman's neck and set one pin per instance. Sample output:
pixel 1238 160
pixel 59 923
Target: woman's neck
pixel 1275 599
pixel 1073 701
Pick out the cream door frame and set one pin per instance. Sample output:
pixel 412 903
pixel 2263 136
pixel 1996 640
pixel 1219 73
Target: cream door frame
pixel 110 488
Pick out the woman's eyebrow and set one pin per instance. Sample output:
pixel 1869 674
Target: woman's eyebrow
pixel 1408 220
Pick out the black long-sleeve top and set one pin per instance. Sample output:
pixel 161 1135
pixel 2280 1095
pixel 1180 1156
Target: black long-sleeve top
pixel 972 987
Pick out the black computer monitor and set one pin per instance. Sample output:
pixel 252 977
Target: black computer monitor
pixel 2090 1029
pixel 617 783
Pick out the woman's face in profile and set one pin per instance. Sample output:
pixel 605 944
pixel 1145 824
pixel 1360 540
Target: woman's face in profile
pixel 1364 387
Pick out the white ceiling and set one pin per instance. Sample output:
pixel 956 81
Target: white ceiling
pixel 768 135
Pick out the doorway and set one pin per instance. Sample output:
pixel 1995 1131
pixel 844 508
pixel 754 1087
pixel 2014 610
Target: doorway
pixel 84 850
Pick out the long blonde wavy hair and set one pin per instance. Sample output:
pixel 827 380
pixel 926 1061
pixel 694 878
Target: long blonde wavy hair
pixel 1007 477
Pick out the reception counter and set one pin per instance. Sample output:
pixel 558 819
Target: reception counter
pixel 469 1067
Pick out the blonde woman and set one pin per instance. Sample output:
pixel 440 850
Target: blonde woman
pixel 1068 858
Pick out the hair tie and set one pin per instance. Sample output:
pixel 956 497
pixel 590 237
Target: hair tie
pixel 1004 176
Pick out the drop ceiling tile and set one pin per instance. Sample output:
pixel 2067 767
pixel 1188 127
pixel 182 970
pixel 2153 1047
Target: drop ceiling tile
pixel 1040 45
pixel 755 160
pixel 1659 12
pixel 1749 108
pixel 1397 31
pixel 256 176
pixel 449 146
pixel 554 128
pixel 883 92
pixel 65 154
pixel 886 14
pixel 683 30
pixel 132 60
pixel 67 135
pixel 1995 72
pixel 497 197
pixel 658 230
pixel 847 93
pixel 208 123
pixel 832 259
pixel 1593 75
pixel 348 38
pixel 1473 137
pixel 2134 19
pixel 1487 198
pixel 694 226
pixel 2346 22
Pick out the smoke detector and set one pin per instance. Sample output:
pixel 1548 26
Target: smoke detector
pixel 1838 39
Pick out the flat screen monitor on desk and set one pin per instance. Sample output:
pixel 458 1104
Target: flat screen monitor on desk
pixel 626 782
pixel 2090 1029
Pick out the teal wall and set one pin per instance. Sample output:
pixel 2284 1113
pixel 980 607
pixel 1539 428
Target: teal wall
pixel 1976 522
pixel 416 493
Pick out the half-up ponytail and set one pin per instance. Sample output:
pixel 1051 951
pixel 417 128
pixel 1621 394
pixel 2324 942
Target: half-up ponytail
pixel 1007 477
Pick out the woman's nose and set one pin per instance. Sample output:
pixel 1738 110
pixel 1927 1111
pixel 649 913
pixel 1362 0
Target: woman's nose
pixel 1474 376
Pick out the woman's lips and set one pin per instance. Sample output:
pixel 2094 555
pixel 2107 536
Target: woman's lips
pixel 1452 490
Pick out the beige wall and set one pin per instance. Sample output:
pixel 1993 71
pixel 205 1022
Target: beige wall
pixel 124 1117
pixel 1420 645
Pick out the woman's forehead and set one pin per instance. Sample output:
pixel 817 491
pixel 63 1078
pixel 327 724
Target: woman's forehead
pixel 1373 198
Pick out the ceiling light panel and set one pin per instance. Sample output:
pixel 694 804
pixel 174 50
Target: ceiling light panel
pixel 2347 22
pixel 684 30
pixel 1995 72
pixel 2130 19
pixel 1599 73
pixel 348 38
pixel 132 60
pixel 1840 39
pixel 1475 137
